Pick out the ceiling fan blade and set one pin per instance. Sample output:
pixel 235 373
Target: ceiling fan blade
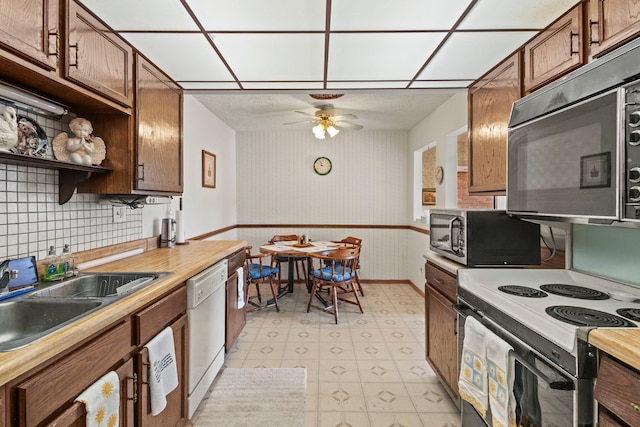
pixel 345 116
pixel 304 114
pixel 302 121
pixel 347 125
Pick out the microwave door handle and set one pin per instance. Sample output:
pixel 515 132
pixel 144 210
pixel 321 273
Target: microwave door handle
pixel 454 249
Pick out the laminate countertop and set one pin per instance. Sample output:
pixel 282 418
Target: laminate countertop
pixel 183 261
pixel 623 343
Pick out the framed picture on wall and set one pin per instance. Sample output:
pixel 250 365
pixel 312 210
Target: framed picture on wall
pixel 208 169
pixel 428 196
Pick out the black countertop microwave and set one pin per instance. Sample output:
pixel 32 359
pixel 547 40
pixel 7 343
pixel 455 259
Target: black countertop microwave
pixel 478 238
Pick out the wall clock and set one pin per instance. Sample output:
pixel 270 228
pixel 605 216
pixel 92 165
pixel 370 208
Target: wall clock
pixel 438 174
pixel 322 165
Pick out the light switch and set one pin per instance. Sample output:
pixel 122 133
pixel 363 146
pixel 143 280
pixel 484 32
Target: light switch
pixel 119 214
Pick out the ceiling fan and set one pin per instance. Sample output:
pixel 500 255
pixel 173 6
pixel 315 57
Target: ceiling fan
pixel 327 122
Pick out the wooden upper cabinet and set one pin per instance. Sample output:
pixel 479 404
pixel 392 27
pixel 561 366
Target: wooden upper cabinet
pixel 30 29
pixel 612 23
pixel 158 130
pixel 490 100
pixel 556 51
pixel 97 58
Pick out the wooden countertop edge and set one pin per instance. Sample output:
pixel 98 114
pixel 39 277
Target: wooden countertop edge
pixel 184 261
pixel 623 344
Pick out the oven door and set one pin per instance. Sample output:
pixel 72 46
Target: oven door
pixel 447 236
pixel 566 164
pixel 546 396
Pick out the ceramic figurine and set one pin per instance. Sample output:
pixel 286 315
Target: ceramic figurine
pixel 8 129
pixel 83 148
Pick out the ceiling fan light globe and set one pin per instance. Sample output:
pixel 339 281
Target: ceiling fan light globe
pixel 332 131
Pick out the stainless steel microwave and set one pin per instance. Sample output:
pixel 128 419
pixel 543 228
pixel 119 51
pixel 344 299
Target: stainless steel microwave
pixel 573 150
pixel 483 237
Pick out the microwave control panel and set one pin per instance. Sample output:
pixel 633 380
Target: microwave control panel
pixel 631 207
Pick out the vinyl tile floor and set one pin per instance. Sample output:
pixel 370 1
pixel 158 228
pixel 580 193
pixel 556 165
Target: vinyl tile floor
pixel 367 371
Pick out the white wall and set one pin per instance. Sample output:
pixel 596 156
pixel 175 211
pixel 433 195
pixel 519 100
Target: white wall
pixel 205 209
pixel 437 127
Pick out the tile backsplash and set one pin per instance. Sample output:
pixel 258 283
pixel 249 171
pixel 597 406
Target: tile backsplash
pixel 31 219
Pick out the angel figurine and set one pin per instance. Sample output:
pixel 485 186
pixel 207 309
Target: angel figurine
pixel 83 148
pixel 8 129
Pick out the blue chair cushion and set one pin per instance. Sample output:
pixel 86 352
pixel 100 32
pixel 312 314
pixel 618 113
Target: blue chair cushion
pixel 256 273
pixel 339 275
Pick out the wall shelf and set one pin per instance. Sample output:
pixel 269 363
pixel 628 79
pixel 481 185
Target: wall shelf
pixel 70 174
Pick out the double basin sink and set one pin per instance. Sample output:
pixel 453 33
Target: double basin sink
pixel 25 319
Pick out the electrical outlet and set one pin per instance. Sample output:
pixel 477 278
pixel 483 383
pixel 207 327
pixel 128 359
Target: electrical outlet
pixel 119 214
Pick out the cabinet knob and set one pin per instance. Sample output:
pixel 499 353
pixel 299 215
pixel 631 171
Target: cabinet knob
pixel 634 119
pixel 634 174
pixel 573 51
pixel 56 43
pixel 634 137
pixel 593 41
pixel 634 194
pixel 141 172
pixel 635 407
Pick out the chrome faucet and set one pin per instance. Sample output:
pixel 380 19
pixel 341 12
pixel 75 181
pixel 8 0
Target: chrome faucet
pixel 6 275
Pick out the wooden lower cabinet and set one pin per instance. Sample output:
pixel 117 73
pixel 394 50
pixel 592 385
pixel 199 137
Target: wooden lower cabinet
pixel 45 396
pixel 48 394
pixel 236 318
pixel 441 329
pixel 175 413
pixel 618 390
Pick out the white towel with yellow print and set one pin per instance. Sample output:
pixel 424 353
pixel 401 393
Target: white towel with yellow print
pixel 472 383
pixel 500 373
pixel 102 400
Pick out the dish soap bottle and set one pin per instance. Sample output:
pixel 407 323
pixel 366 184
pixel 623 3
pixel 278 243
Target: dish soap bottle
pixel 50 265
pixel 63 262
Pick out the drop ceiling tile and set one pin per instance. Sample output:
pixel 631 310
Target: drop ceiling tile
pixel 282 85
pixel 208 85
pixel 273 57
pixel 441 84
pixel 395 15
pixel 467 56
pixel 368 85
pixel 182 56
pixel 142 14
pixel 509 14
pixel 273 15
pixel 388 56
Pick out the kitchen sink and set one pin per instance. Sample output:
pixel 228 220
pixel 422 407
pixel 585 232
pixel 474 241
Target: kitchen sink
pixel 26 320
pixel 99 285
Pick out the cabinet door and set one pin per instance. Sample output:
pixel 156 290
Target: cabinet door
pixel 75 415
pixel 175 413
pixel 618 389
pixel 236 317
pixel 97 58
pixel 442 340
pixel 48 391
pixel 490 101
pixel 29 28
pixel 555 51
pixel 605 419
pixel 159 130
pixel 612 23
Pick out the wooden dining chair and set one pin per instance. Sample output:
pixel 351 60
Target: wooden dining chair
pixel 260 269
pixel 355 241
pixel 335 271
pixel 299 263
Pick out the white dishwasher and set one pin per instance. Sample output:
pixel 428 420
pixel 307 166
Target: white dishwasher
pixel 206 317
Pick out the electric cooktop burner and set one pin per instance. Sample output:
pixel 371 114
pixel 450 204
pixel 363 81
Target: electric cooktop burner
pixel 573 291
pixel 522 291
pixel 580 316
pixel 630 313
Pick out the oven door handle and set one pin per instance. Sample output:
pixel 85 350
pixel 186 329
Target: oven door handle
pixel 465 311
pixel 553 384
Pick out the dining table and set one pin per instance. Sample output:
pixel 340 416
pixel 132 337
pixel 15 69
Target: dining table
pixel 293 251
